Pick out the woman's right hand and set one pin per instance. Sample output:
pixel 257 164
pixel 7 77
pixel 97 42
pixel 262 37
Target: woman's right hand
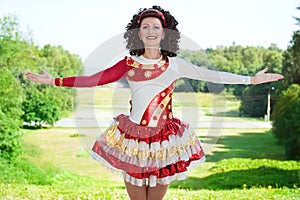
pixel 44 78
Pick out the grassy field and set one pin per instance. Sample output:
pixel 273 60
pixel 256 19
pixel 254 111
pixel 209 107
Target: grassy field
pixel 243 164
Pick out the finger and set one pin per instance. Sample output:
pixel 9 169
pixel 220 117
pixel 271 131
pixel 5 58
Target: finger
pixel 32 75
pixel 29 74
pixel 46 73
pixel 277 76
pixel 265 70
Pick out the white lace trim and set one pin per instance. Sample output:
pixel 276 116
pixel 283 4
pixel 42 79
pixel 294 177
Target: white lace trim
pixel 153 180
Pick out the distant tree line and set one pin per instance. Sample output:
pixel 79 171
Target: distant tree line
pixel 239 60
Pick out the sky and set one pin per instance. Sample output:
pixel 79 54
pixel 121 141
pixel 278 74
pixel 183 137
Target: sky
pixel 80 26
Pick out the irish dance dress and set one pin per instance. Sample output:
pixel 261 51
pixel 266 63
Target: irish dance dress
pixel 150 146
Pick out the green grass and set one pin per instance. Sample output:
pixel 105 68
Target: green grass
pixel 16 191
pixel 241 164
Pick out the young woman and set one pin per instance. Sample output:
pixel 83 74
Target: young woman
pixel 150 146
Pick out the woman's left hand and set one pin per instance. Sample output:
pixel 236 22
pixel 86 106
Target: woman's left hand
pixel 263 77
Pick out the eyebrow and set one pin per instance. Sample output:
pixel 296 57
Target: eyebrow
pixel 153 24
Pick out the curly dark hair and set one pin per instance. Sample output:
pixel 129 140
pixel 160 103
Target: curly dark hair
pixel 169 45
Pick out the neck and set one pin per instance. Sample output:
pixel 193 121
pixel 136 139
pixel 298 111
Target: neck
pixel 152 53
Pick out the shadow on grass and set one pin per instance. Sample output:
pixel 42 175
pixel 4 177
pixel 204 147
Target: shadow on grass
pixel 246 145
pixel 243 161
pixel 35 127
pixel 260 177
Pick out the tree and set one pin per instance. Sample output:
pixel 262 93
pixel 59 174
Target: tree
pixel 10 89
pixel 10 113
pixel 41 106
pixel 286 113
pixel 286 121
pixel 291 63
pixel 18 54
pixel 254 97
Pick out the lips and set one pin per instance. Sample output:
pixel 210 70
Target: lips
pixel 151 38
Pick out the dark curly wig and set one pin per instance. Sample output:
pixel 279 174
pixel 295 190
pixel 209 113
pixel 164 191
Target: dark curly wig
pixel 169 45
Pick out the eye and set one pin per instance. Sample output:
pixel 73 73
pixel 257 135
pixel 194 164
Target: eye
pixel 144 26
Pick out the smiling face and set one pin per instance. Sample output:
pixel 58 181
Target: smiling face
pixel 151 32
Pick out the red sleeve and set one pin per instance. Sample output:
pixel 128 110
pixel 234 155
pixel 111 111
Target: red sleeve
pixel 106 76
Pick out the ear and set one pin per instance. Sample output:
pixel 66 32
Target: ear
pixel 139 35
pixel 163 36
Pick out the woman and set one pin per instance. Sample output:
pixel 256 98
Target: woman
pixel 151 147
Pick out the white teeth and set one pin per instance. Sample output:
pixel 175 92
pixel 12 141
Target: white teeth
pixel 151 37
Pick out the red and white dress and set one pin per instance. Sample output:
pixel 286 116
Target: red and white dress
pixel 150 146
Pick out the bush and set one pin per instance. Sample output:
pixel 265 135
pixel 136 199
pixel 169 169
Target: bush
pixel 41 106
pixel 254 100
pixel 10 112
pixel 286 121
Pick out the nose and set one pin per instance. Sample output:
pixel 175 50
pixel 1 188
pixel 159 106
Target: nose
pixel 151 30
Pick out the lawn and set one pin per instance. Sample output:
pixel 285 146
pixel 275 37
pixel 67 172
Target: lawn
pixel 241 164
pixel 245 164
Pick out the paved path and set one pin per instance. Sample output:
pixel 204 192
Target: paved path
pixel 104 120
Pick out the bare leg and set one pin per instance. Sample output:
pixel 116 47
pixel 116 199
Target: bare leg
pixel 157 193
pixel 136 192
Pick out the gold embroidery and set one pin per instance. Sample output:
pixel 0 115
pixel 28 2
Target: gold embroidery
pixel 110 135
pixel 115 142
pixel 60 82
pixel 115 139
pixel 160 64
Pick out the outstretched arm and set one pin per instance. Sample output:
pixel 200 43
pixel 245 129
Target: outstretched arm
pixel 189 70
pixel 106 76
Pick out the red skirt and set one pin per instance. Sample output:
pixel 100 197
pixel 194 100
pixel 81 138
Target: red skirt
pixel 149 155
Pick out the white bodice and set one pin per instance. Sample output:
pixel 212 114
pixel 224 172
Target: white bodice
pixel 142 92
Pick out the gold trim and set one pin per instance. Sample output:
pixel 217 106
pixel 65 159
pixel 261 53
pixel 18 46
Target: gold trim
pixel 131 62
pixel 60 82
pixel 118 142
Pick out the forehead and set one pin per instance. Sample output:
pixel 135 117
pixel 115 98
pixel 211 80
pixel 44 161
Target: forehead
pixel 151 20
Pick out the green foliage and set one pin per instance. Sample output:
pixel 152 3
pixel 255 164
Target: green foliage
pixel 291 63
pixel 248 61
pixel 10 112
pixel 22 171
pixel 254 99
pixel 23 101
pixel 18 54
pixel 287 109
pixel 240 60
pixel 286 125
pixel 45 109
